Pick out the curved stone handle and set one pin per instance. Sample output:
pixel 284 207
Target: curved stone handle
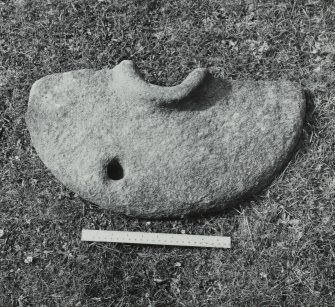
pixel 134 82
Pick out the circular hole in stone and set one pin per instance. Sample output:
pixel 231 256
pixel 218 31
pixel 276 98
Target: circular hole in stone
pixel 115 170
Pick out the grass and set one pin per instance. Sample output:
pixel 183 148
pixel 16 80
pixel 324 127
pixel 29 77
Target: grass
pixel 283 251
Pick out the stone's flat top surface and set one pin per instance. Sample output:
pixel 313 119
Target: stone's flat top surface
pixel 200 146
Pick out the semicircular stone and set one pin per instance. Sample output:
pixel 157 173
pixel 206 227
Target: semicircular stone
pixel 151 151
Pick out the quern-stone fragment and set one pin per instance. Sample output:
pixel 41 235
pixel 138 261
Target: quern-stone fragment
pixel 151 151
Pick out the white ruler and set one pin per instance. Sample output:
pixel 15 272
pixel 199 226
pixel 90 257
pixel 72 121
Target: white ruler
pixel 155 238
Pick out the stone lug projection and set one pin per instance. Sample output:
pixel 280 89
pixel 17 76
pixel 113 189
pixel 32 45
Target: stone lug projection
pixel 151 151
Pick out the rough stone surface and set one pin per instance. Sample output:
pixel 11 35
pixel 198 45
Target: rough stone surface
pixel 152 151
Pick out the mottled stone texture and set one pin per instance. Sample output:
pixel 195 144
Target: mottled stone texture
pixel 152 151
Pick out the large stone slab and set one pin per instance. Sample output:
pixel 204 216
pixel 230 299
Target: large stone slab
pixel 152 151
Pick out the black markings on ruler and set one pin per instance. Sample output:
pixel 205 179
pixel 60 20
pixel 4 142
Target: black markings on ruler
pixel 155 238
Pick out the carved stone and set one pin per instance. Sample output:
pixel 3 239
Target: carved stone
pixel 151 151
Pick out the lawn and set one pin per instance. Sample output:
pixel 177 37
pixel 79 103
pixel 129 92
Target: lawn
pixel 283 239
